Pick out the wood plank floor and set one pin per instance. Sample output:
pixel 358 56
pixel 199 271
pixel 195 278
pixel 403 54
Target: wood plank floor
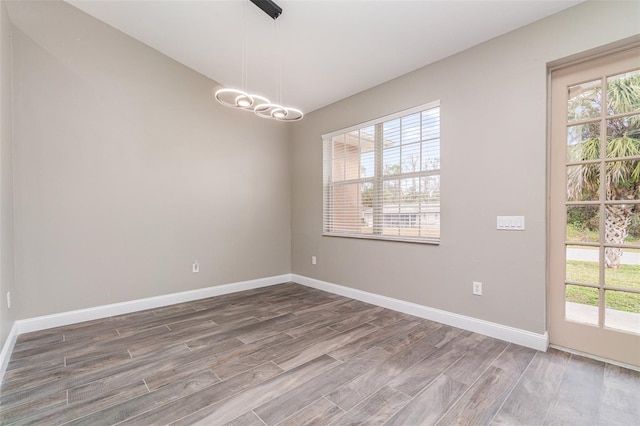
pixel 291 355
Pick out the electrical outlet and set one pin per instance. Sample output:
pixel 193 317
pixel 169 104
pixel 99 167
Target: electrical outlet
pixel 8 300
pixel 477 288
pixel 195 267
pixel 313 260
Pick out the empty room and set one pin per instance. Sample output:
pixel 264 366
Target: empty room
pixel 297 212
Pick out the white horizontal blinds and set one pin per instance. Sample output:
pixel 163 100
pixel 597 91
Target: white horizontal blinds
pixel 350 181
pixel 383 180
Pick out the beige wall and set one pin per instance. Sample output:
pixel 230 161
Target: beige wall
pixel 493 108
pixel 7 316
pixel 126 171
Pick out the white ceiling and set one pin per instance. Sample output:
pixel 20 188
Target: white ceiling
pixel 330 49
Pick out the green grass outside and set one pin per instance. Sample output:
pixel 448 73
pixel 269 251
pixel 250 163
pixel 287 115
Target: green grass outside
pixel 627 276
pixel 576 233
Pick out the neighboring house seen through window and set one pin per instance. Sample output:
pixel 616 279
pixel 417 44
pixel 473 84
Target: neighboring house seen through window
pixel 382 178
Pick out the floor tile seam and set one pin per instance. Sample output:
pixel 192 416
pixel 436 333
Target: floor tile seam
pixel 192 372
pixel 73 346
pixel 292 414
pixel 71 381
pixel 409 399
pixel 435 348
pixel 158 322
pixel 407 402
pixel 94 338
pixel 285 331
pixel 386 383
pixel 196 411
pixel 327 351
pixel 352 327
pixel 29 418
pixel 257 416
pixel 363 346
pixel 177 330
pixel 393 322
pixel 10 388
pixel 26 367
pixel 96 411
pixel 76 327
pixel 206 387
pixel 142 350
pixel 63 385
pixel 156 406
pixel 555 393
pixel 59 347
pixel 468 387
pixel 316 328
pixel 238 358
pixel 19 347
pixel 513 387
pixel 106 389
pixel 274 360
pixel 81 337
pixel 37 359
pixel 219 332
pixel 133 330
pixel 460 357
pixel 344 412
pixel 452 404
pixel 74 404
pixel 214 373
pixel 183 310
pixel 25 376
pixel 27 337
pixel 345 409
pixel 163 362
pixel 95 356
pixel 335 364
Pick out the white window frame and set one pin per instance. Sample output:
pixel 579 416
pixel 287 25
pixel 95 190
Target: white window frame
pixel 378 179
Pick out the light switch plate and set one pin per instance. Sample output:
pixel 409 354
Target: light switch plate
pixel 510 223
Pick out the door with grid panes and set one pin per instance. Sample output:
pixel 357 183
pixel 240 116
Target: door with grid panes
pixel 594 291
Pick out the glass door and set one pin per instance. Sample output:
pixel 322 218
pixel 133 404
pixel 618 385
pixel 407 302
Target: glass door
pixel 594 294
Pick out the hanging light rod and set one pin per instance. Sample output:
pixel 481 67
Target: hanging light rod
pixel 268 7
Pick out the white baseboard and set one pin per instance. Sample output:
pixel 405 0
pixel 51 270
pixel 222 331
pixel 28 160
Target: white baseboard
pixel 7 349
pixel 536 341
pixel 72 317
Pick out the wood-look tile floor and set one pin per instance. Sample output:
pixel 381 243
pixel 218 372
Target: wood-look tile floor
pixel 291 355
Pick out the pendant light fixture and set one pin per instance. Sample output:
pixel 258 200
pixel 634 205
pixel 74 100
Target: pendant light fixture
pixel 241 99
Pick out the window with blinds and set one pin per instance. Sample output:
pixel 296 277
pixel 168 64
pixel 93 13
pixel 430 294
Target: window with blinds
pixel 382 178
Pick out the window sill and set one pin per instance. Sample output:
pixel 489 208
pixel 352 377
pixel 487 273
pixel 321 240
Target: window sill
pixel 435 242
